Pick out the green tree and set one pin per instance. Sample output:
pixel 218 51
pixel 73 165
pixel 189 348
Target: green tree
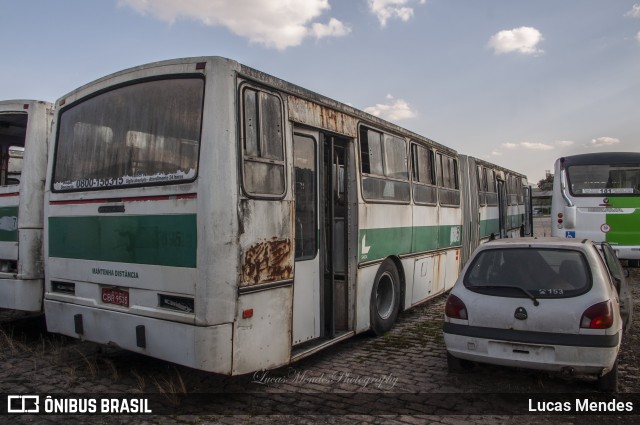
pixel 546 183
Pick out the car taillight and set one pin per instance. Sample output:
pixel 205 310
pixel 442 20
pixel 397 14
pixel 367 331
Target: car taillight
pixel 598 316
pixel 455 308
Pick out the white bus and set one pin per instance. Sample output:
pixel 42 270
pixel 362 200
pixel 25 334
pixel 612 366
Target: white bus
pixel 498 203
pixel 24 126
pixel 597 196
pixel 205 213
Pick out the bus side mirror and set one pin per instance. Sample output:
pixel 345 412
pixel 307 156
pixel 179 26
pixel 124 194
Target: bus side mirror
pixel 569 217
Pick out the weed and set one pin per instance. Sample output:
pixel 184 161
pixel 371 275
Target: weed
pixel 115 376
pixel 91 364
pixel 139 380
pixel 171 388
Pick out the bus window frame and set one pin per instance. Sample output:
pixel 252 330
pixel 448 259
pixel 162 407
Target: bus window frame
pixel 242 156
pixel 440 179
pixel 413 146
pixel 383 177
pixel 128 83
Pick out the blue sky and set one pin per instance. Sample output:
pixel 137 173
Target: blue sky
pixel 514 82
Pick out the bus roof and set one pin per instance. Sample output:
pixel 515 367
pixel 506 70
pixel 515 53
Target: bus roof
pixel 601 158
pixel 251 73
pixel 495 166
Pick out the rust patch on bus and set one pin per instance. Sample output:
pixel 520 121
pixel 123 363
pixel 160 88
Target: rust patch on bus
pixel 268 261
pixel 309 113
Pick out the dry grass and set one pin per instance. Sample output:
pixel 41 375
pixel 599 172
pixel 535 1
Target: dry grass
pixel 11 345
pixel 91 364
pixel 171 387
pixel 142 385
pixel 115 375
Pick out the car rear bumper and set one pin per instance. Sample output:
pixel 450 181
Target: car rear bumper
pixel 532 350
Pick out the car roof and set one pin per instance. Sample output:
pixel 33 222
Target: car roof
pixel 534 242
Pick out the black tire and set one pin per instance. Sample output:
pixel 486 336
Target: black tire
pixel 633 263
pixel 385 298
pixel 455 365
pixel 609 381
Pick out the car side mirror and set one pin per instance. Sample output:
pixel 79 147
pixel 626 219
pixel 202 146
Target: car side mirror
pixel 626 272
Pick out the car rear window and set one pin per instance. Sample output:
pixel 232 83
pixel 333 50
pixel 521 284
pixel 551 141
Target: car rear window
pixel 544 273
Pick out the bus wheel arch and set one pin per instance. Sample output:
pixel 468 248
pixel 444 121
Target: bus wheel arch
pixel 385 300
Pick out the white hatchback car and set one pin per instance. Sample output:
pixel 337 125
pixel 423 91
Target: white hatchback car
pixel 549 304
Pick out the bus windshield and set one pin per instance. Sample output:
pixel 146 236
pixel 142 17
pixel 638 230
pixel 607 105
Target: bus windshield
pixel 141 134
pixel 596 180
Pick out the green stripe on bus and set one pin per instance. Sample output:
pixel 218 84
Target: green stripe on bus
pixel 9 224
pixel 625 228
pixel 163 240
pixel 375 244
pixel 487 227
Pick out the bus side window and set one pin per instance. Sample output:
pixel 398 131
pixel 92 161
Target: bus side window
pixel 424 189
pixel 384 166
pixel 263 143
pixel 448 184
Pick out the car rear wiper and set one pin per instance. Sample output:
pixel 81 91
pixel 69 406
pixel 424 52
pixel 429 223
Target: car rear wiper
pixel 528 294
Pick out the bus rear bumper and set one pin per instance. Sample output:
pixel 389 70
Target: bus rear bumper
pixel 21 294
pixel 202 347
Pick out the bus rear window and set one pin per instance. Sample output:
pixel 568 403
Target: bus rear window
pixel 604 179
pixel 141 134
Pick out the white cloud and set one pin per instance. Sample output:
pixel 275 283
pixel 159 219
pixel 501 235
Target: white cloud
pixel 565 143
pixel 275 23
pixel 603 141
pixel 638 37
pixel 523 40
pixel 389 9
pixel 334 28
pixel 394 110
pixel 528 145
pixel 634 12
pixel 536 146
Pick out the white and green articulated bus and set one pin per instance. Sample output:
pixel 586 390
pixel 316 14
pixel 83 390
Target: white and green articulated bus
pixel 597 196
pixel 24 127
pixel 497 203
pixel 205 213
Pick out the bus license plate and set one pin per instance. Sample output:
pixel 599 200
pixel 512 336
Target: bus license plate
pixel 115 296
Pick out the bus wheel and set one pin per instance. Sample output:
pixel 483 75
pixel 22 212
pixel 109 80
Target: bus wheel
pixel 385 298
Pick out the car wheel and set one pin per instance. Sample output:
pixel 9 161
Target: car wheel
pixel 633 263
pixel 385 298
pixel 455 364
pixel 609 381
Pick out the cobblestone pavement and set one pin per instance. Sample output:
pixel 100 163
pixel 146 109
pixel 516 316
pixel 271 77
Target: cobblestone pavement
pixel 394 377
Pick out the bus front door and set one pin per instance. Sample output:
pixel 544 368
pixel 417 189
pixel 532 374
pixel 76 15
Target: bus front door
pixel 320 291
pixel 306 288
